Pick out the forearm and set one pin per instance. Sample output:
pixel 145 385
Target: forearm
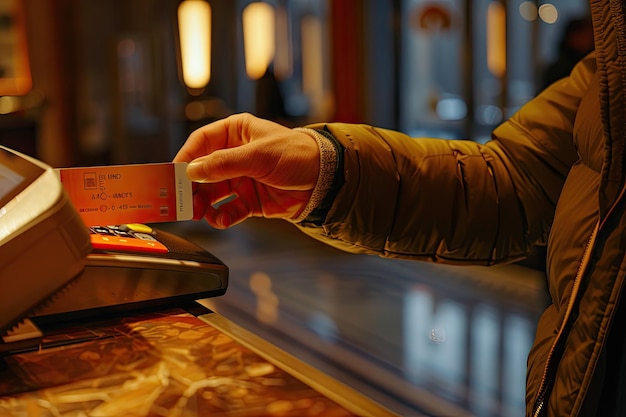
pixel 411 198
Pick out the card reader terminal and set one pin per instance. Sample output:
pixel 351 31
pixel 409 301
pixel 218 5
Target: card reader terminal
pixel 135 267
pixel 43 241
pixel 45 245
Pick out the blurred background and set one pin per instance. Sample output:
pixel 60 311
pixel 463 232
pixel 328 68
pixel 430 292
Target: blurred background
pixel 88 81
pixel 91 82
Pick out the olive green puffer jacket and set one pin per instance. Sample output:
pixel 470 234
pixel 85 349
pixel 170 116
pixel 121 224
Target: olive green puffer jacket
pixel 552 174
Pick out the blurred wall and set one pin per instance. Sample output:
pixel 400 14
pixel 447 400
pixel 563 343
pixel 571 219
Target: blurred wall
pixel 107 71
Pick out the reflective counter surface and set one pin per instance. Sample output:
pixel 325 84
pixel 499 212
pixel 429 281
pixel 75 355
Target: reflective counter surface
pixel 419 338
pixel 168 363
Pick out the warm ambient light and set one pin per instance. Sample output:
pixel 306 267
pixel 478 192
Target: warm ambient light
pixel 194 25
pixel 258 38
pixel 548 13
pixel 15 79
pixel 282 61
pixel 312 56
pixel 496 38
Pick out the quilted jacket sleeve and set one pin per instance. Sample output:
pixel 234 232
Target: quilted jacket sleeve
pixel 456 201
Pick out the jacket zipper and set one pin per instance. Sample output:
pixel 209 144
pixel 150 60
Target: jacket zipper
pixel 548 377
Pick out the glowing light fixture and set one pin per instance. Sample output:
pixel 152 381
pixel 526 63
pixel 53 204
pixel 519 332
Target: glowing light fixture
pixel 194 25
pixel 548 13
pixel 528 10
pixel 258 38
pixel 312 56
pixel 15 79
pixel 496 38
pixel 283 60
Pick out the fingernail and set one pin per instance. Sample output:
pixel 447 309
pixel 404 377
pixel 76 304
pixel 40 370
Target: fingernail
pixel 195 171
pixel 225 220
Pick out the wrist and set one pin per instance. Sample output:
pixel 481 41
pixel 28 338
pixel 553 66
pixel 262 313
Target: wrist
pixel 328 167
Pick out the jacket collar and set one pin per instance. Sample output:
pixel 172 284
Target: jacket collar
pixel 609 23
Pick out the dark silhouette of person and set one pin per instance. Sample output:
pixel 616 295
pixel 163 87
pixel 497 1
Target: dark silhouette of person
pixel 576 42
pixel 270 103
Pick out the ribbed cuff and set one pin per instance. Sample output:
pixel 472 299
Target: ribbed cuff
pixel 328 165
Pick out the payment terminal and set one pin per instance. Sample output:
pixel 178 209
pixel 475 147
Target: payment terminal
pixel 56 270
pixel 134 267
pixel 43 241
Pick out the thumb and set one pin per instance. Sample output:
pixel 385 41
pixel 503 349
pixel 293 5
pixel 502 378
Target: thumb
pixel 222 165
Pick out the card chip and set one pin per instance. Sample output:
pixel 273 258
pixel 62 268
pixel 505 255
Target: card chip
pixel 164 210
pixel 163 192
pixel 89 181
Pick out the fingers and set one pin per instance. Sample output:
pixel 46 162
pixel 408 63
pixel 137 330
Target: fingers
pixel 228 214
pixel 245 146
pixel 215 153
pixel 203 141
pixel 224 204
pixel 270 168
pixel 209 195
pixel 225 164
pixel 230 132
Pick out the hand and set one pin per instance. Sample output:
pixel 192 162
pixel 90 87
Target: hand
pixel 263 168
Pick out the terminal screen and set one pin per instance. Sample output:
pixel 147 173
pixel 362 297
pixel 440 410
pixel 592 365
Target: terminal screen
pixel 16 173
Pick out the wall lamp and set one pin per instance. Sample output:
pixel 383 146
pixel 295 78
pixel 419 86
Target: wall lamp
pixel 258 38
pixel 194 26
